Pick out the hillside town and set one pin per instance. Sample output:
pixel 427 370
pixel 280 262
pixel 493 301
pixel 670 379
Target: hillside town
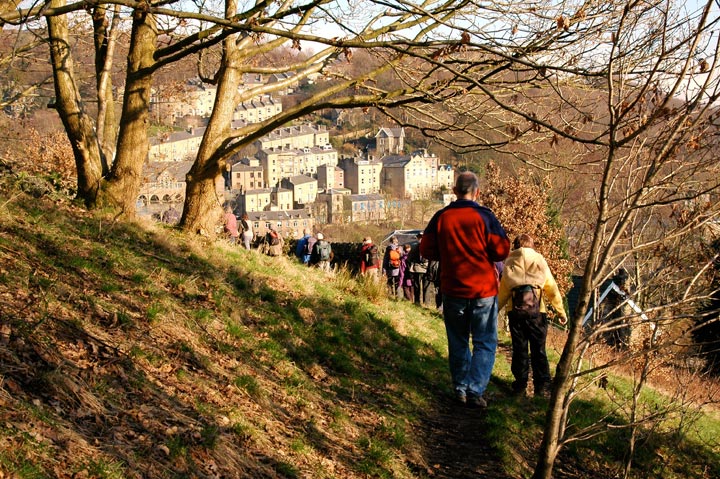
pixel 295 179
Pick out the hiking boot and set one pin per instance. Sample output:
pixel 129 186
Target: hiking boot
pixel 476 402
pixel 460 396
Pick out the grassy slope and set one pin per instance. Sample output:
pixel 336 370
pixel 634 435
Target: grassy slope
pixel 130 350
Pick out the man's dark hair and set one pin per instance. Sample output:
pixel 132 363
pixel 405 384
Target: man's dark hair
pixel 467 182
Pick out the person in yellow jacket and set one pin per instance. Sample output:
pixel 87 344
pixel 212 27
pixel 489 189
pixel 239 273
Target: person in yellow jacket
pixel 526 286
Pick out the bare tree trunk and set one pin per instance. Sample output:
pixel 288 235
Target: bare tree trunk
pixel 78 124
pixel 557 408
pixel 123 184
pixel 203 206
pixel 104 57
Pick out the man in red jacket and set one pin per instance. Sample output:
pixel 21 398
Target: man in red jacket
pixel 467 239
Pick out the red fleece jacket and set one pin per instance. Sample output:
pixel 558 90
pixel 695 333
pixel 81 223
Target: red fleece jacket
pixel 467 239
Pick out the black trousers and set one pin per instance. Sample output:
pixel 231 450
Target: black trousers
pixel 533 333
pixel 420 287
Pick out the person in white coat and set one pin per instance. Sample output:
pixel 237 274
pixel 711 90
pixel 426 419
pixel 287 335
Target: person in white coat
pixel 526 275
pixel 247 231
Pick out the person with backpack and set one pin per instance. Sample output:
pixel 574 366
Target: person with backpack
pixel 369 259
pixel 273 243
pixel 432 277
pixel 418 268
pixel 322 254
pixel 391 266
pixel 303 250
pixel 406 280
pixel 467 239
pixel 247 233
pixel 525 286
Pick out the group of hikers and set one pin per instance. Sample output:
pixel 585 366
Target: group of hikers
pixel 315 251
pixel 407 273
pixel 463 263
pixel 479 275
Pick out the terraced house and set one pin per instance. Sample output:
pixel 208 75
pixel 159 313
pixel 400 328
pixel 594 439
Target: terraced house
pixel 414 176
pixel 246 175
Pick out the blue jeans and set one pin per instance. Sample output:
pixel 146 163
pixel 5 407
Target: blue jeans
pixel 474 319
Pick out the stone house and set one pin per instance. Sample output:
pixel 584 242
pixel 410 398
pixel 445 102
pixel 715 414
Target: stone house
pixel 176 146
pixel 288 80
pixel 289 224
pixel 414 176
pixel 364 208
pixel 333 198
pixel 254 200
pixel 279 163
pixel 163 182
pixel 362 176
pixel 304 189
pixel 330 177
pixel 295 137
pixel 281 199
pixel 244 177
pixel 258 109
pixel 390 141
pixel 193 98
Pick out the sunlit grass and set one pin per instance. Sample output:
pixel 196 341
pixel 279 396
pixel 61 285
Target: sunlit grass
pixel 265 354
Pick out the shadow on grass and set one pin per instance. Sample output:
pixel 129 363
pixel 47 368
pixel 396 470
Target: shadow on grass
pixel 141 346
pixel 90 347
